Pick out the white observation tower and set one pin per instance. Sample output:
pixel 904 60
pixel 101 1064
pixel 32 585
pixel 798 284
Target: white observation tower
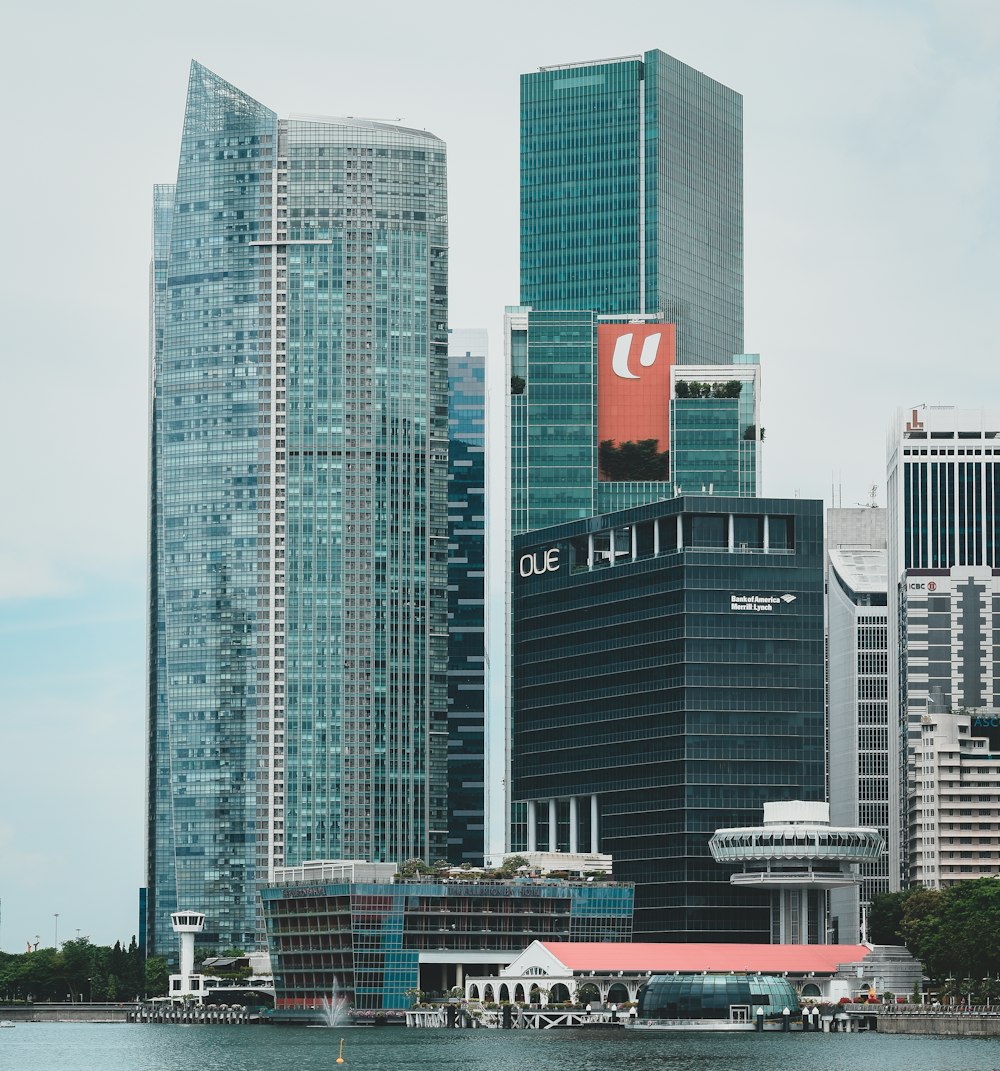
pixel 186 924
pixel 797 855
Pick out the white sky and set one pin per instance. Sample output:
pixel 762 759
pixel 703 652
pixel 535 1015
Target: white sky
pixel 871 171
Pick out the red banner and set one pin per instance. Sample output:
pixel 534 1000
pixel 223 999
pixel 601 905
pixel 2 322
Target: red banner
pixel 633 383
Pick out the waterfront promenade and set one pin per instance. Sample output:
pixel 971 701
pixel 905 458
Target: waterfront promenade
pixel 66 1013
pixel 946 1020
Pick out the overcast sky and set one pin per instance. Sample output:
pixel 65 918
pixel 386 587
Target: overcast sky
pixel 871 178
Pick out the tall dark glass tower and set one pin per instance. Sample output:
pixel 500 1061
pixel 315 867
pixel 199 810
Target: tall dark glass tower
pixel 668 680
pixel 298 507
pixel 466 592
pixel 632 197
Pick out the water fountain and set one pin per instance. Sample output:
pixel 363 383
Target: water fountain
pixel 334 1010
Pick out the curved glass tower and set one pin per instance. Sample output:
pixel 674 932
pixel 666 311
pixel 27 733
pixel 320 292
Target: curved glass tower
pixel 298 508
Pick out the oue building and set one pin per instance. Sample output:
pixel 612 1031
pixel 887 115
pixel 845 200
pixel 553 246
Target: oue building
pixel 667 668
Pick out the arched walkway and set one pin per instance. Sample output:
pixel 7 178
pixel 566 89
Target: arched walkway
pixel 588 993
pixel 617 993
pixel 559 993
pixel 519 993
pixel 488 994
pixel 535 995
pixel 473 992
pixel 504 993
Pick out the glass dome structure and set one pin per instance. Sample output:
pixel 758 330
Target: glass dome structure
pixel 712 996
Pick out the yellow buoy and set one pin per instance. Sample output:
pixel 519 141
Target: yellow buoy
pixel 340 1058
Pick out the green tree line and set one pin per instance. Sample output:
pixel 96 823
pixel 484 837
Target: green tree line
pixel 953 932
pixel 81 971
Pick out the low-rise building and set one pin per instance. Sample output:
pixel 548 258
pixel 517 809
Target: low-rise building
pixel 360 930
pixel 578 972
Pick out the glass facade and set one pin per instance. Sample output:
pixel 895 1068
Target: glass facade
pixel 632 197
pixel 711 996
pixel 297 697
pixel 669 665
pixel 554 469
pixel 466 593
pixel 367 939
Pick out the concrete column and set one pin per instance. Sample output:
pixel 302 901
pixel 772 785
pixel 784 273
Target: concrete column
pixel 532 826
pixel 595 840
pixel 767 535
pixel 553 826
pixel 611 544
pixel 656 536
pixel 574 824
pixel 635 541
pixel 680 532
pixel 732 534
pixel 459 976
pixel 590 549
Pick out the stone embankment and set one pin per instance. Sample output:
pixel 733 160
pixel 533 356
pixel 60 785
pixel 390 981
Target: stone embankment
pixel 66 1013
pixel 948 1020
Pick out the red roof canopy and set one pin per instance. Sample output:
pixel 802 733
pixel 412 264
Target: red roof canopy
pixel 765 959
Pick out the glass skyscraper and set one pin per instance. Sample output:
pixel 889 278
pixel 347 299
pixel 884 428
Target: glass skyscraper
pixel 668 680
pixel 631 242
pixel 632 197
pixel 466 592
pixel 298 507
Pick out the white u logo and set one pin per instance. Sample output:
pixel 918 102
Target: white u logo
pixel 623 347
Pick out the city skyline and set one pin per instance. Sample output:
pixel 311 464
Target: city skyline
pixel 836 304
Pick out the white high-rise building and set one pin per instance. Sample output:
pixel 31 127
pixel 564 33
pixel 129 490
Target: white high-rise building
pixel 857 698
pixel 943 551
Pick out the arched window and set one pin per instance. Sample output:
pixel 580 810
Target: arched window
pixel 617 994
pixel 588 993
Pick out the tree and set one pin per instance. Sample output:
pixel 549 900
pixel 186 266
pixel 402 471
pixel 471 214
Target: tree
pixel 951 931
pixel 75 965
pixel 157 976
pixel 885 917
pixel 414 868
pixel 511 865
pixel 628 460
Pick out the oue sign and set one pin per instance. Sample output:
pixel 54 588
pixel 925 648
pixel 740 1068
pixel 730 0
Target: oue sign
pixel 541 561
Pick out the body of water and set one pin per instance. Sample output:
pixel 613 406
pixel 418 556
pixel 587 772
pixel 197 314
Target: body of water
pixel 120 1047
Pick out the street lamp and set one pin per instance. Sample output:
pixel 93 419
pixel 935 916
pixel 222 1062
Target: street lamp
pixel 56 916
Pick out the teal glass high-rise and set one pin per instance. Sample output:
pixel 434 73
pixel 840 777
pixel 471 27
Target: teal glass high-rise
pixel 298 507
pixel 632 197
